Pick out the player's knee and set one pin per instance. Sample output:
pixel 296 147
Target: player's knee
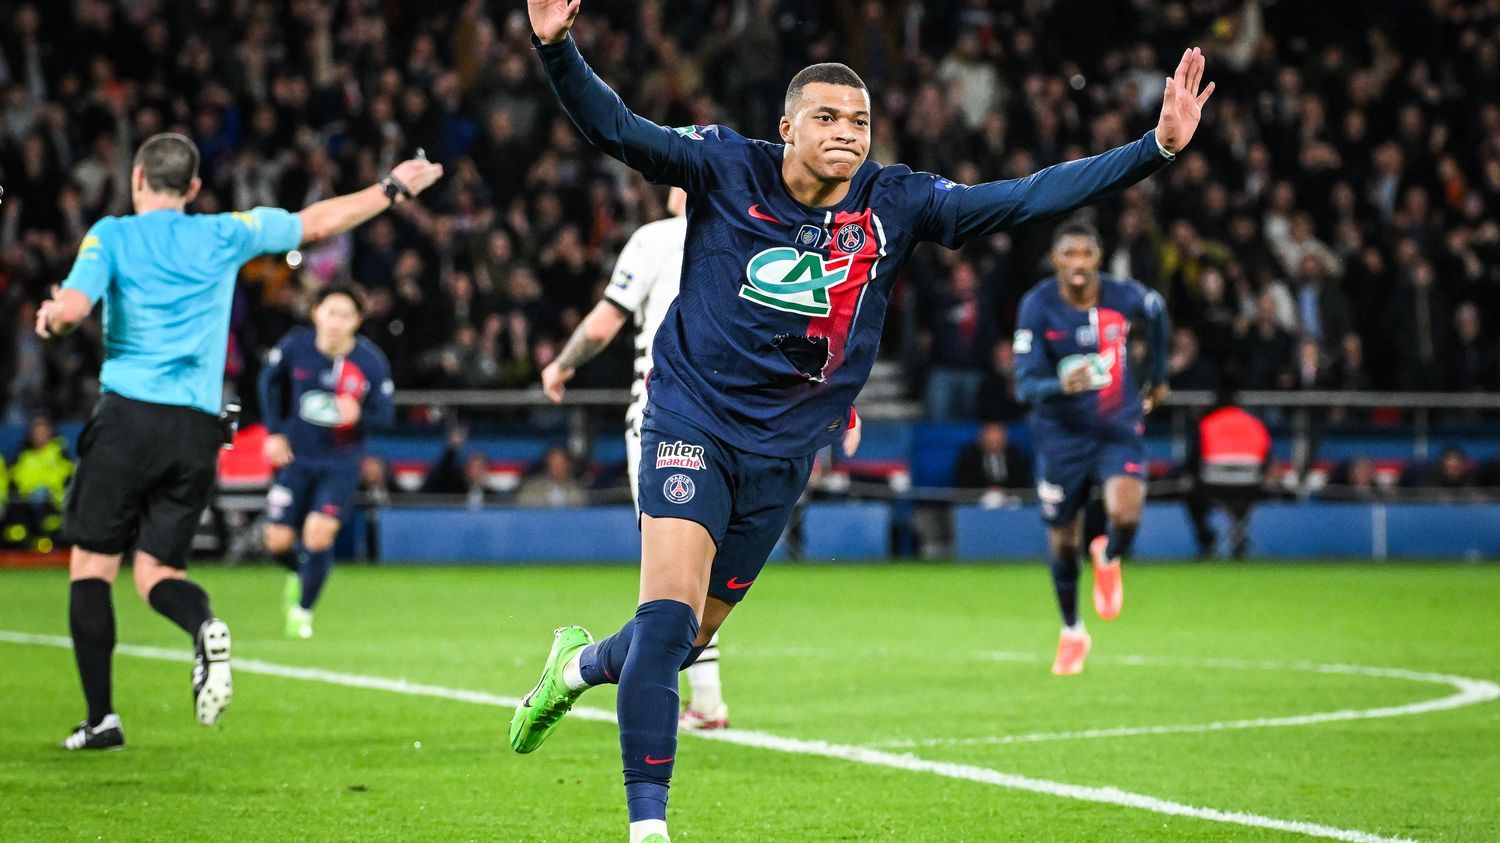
pixel 1126 519
pixel 279 539
pixel 319 534
pixel 149 573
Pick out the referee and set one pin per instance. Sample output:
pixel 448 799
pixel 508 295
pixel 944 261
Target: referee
pixel 148 456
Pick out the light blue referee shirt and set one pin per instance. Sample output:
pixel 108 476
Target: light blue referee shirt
pixel 167 280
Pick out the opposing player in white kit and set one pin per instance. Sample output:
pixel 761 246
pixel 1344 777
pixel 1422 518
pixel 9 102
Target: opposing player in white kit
pixel 641 289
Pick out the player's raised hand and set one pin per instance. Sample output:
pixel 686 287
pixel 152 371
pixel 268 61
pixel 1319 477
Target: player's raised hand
pixel 1182 104
pixel 417 174
pixel 551 19
pixel 554 380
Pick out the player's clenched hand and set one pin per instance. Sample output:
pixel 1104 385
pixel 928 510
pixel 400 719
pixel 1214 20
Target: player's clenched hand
pixel 553 379
pixel 349 410
pixel 1077 381
pixel 417 174
pixel 551 19
pixel 1182 104
pixel 278 450
pixel 1154 397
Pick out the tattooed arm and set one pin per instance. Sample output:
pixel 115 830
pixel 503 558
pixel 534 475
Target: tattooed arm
pixel 592 336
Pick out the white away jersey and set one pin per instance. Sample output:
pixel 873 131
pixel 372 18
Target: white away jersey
pixel 644 284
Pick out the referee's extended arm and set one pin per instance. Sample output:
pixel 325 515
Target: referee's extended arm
pixel 66 310
pixel 341 213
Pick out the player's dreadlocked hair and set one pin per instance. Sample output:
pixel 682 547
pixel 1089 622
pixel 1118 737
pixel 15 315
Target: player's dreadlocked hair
pixel 170 161
pixel 831 73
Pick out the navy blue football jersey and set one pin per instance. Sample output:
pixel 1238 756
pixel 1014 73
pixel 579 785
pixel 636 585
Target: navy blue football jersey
pixel 779 316
pixel 1053 334
pixel 299 388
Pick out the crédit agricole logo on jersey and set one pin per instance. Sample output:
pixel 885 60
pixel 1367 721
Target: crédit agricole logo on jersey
pixel 794 281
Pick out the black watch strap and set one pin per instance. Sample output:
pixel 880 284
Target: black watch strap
pixel 394 188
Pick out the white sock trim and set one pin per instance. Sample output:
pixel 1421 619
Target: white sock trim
pixel 642 829
pixel 572 676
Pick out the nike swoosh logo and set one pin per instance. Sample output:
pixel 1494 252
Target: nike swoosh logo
pixel 650 760
pixel 734 583
pixel 756 212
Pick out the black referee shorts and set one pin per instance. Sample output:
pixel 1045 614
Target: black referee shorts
pixel 145 473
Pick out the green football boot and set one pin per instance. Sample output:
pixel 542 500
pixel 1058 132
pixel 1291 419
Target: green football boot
pixel 542 709
pixel 298 620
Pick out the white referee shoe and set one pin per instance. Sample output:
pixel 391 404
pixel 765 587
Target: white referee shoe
pixel 212 687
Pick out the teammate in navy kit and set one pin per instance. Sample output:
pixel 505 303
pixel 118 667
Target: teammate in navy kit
pixel 322 388
pixel 1073 368
pixel 790 253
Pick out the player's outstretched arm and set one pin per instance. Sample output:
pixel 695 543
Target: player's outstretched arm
pixel 593 335
pixel 1158 332
pixel 335 216
pixel 1050 193
pixel 657 152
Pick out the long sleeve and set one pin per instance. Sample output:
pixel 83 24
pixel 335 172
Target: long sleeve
pixel 271 388
pixel 958 213
pixel 661 154
pixel 1158 334
pixel 380 407
pixel 1036 379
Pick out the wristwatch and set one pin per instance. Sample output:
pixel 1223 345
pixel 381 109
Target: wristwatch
pixel 394 189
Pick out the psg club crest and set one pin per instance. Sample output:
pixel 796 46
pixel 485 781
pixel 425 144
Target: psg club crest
pixel 679 488
pixel 851 238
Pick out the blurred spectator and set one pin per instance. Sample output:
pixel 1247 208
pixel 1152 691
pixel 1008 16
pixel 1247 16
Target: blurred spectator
pixel 1266 348
pixel 39 478
pixel 1322 308
pixel 555 485
pixel 375 481
pixel 1185 369
pixel 957 343
pixel 1469 364
pixel 992 462
pixel 1358 479
pixel 997 392
pixel 1451 472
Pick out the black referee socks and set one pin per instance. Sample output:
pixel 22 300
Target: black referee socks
pixel 91 617
pixel 183 601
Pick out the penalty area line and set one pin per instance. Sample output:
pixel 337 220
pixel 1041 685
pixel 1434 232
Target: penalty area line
pixel 761 740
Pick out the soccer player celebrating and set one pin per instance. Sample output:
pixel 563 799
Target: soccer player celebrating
pixel 148 458
pixel 1073 368
pixel 642 287
pixel 321 389
pixel 790 253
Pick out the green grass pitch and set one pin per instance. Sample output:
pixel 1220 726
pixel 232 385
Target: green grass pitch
pixel 937 663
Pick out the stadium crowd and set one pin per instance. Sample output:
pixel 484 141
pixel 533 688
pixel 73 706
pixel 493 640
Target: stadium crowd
pixel 1333 227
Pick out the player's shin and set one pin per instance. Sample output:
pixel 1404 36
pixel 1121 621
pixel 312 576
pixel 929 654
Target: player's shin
pixel 181 601
pixel 91 617
pixel 1065 584
pixel 315 565
pixel 648 703
pixel 1121 539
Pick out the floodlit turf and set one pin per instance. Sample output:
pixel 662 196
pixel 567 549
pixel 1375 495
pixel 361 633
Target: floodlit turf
pixel 947 663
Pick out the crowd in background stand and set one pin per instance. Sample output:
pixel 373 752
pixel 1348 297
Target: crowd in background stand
pixel 1333 226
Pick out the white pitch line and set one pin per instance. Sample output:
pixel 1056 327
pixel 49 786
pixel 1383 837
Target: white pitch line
pixel 761 740
pixel 1469 692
